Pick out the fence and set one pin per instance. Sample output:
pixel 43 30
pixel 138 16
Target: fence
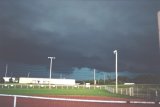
pixel 59 102
pixel 10 86
pixel 147 92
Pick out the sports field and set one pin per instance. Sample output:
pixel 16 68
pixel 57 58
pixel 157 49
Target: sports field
pixel 60 91
pixel 88 96
pixel 143 91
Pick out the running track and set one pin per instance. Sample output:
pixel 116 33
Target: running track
pixel 28 102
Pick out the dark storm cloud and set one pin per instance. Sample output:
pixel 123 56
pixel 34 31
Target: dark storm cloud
pixel 81 33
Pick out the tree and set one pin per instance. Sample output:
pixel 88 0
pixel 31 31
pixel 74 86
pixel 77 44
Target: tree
pixel 147 79
pixel 2 80
pixel 17 79
pixel 11 80
pixel 123 79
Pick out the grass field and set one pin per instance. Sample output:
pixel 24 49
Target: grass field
pixel 80 91
pixel 136 91
pixel 18 89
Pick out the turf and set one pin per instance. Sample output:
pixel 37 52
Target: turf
pixel 82 92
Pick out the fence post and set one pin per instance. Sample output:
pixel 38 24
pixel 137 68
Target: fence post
pixel 15 100
pixel 156 98
pixel 137 92
pixel 130 91
pixel 121 91
pixel 126 91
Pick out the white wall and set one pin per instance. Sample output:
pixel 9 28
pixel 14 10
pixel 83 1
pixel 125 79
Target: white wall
pixel 47 80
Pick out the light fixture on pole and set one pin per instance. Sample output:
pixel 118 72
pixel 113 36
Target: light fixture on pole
pixel 50 73
pixel 116 68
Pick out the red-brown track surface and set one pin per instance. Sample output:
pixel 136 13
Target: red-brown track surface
pixel 29 102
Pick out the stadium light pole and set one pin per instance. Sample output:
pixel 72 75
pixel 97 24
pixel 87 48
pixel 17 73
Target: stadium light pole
pixel 28 74
pixel 50 74
pixel 116 68
pixel 158 15
pixel 94 76
pixel 6 70
pixel 104 78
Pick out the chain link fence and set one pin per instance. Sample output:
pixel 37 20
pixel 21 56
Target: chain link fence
pixel 147 92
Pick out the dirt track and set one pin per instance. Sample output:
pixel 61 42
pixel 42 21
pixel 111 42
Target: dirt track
pixel 23 102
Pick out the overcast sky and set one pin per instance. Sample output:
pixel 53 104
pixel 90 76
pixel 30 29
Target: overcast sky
pixel 81 34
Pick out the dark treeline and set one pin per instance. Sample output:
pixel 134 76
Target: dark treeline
pixel 141 79
pixel 148 79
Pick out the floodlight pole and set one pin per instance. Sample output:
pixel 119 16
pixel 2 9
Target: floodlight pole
pixel 104 79
pixel 94 76
pixel 28 74
pixel 6 70
pixel 116 69
pixel 158 14
pixel 50 74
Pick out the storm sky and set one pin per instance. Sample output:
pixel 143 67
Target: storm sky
pixel 81 34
